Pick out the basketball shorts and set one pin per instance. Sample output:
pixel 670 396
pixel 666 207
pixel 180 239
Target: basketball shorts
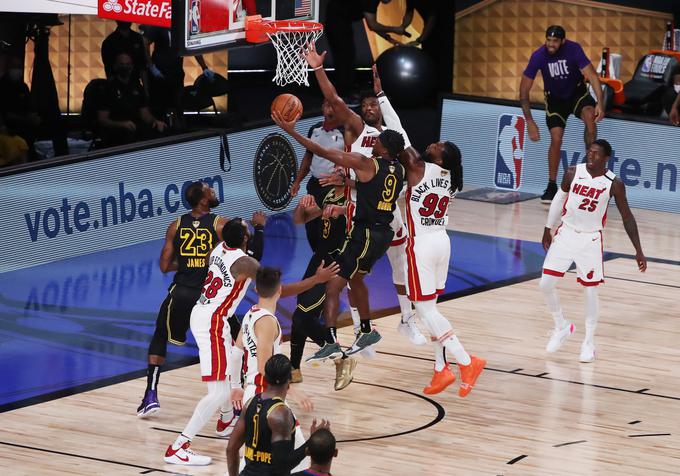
pixel 427 265
pixel 312 299
pixel 557 110
pixel 175 312
pixel 397 256
pixel 585 249
pixel 363 247
pixel 211 331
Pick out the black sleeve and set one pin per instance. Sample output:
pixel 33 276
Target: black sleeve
pixel 284 458
pixel 256 244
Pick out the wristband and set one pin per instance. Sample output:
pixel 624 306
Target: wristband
pixel 380 94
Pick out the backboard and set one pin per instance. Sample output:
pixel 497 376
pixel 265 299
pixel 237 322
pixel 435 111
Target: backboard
pixel 208 25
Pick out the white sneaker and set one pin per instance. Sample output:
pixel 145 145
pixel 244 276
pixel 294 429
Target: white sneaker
pixel 587 352
pixel 410 330
pixel 184 455
pixel 558 337
pixel 225 426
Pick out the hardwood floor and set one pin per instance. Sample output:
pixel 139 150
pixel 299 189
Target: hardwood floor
pixel 529 414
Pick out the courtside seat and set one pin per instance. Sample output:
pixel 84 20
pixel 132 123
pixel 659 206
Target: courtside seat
pixel 645 90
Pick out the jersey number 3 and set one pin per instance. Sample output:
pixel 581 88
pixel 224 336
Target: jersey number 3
pixel 434 205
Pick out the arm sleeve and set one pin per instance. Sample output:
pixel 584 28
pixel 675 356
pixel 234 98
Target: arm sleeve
pixel 533 66
pixel 284 458
pixel 256 244
pixel 392 120
pixel 556 207
pixel 235 365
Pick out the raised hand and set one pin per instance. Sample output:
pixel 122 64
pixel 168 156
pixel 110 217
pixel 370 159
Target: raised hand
pixel 333 211
pixel 286 126
pixel 324 424
pixel 377 85
pixel 313 58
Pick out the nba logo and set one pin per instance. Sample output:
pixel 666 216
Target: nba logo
pixel 195 17
pixel 509 151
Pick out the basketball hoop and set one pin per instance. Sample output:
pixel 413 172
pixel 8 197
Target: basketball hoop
pixel 288 37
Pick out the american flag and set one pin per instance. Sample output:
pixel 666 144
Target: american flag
pixel 302 8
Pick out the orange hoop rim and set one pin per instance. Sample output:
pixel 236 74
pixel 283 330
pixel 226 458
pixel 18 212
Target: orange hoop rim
pixel 286 26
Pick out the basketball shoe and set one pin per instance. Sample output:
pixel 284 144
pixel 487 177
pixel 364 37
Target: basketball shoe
pixel 409 328
pixel 558 336
pixel 440 380
pixel 226 423
pixel 149 405
pixel 328 351
pixel 587 352
pixel 469 375
pixel 364 340
pixel 296 376
pixel 184 455
pixel 344 372
pixel 369 352
pixel 549 193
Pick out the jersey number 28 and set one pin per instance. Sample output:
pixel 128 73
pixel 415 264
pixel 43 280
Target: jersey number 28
pixel 211 286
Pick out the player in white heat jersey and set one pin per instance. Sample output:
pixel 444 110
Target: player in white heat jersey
pixel 260 338
pixel 582 202
pixel 230 271
pixel 361 132
pixel 433 180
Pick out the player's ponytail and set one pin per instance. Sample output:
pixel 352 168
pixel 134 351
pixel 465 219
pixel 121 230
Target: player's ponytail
pixel 452 161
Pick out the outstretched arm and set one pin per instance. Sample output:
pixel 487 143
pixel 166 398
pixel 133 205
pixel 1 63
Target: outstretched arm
pixel 629 224
pixel 337 156
pixel 350 119
pixel 409 158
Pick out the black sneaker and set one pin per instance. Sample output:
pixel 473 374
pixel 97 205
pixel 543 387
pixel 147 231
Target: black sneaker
pixel 549 193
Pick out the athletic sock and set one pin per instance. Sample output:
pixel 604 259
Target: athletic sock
pixel 355 317
pixel 453 345
pixel 181 439
pixel 366 326
pixel 153 374
pixel 405 306
pixel 439 356
pixel 331 335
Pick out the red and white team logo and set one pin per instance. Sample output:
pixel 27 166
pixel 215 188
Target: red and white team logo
pixel 112 6
pixel 510 151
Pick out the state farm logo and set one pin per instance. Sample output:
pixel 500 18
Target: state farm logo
pixel 112 6
pixel 145 12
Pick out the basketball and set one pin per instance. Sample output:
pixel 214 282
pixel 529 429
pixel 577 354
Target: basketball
pixel 288 105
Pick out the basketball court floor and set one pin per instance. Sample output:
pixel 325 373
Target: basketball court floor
pixel 73 338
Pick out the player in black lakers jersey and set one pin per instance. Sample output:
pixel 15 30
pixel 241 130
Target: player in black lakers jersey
pixel 332 225
pixel 266 427
pixel 188 242
pixel 379 182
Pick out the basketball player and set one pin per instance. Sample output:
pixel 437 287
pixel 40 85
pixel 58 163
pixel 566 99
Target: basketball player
pixel 582 203
pixel 328 134
pixel 433 180
pixel 331 234
pixel 267 426
pixel 379 182
pixel 321 449
pixel 188 241
pixel 230 271
pixel 360 133
pixel 563 65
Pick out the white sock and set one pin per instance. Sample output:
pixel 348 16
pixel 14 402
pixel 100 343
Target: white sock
pixel 453 345
pixel 219 396
pixel 405 305
pixel 548 286
pixel 226 413
pixel 592 312
pixel 438 326
pixel 356 320
pixel 181 439
pixel 439 356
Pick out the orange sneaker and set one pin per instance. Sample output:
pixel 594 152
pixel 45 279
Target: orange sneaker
pixel 469 375
pixel 440 380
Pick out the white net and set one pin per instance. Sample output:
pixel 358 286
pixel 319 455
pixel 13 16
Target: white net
pixel 291 65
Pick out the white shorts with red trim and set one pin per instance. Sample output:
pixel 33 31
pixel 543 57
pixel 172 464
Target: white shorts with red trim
pixel 427 265
pixel 211 331
pixel 398 227
pixel 397 256
pixel 585 249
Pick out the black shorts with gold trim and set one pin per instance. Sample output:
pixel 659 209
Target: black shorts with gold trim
pixel 557 110
pixel 175 312
pixel 363 246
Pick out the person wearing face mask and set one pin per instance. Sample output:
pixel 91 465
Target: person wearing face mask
pixel 123 115
pixel 671 99
pixel 18 121
pixel 125 40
